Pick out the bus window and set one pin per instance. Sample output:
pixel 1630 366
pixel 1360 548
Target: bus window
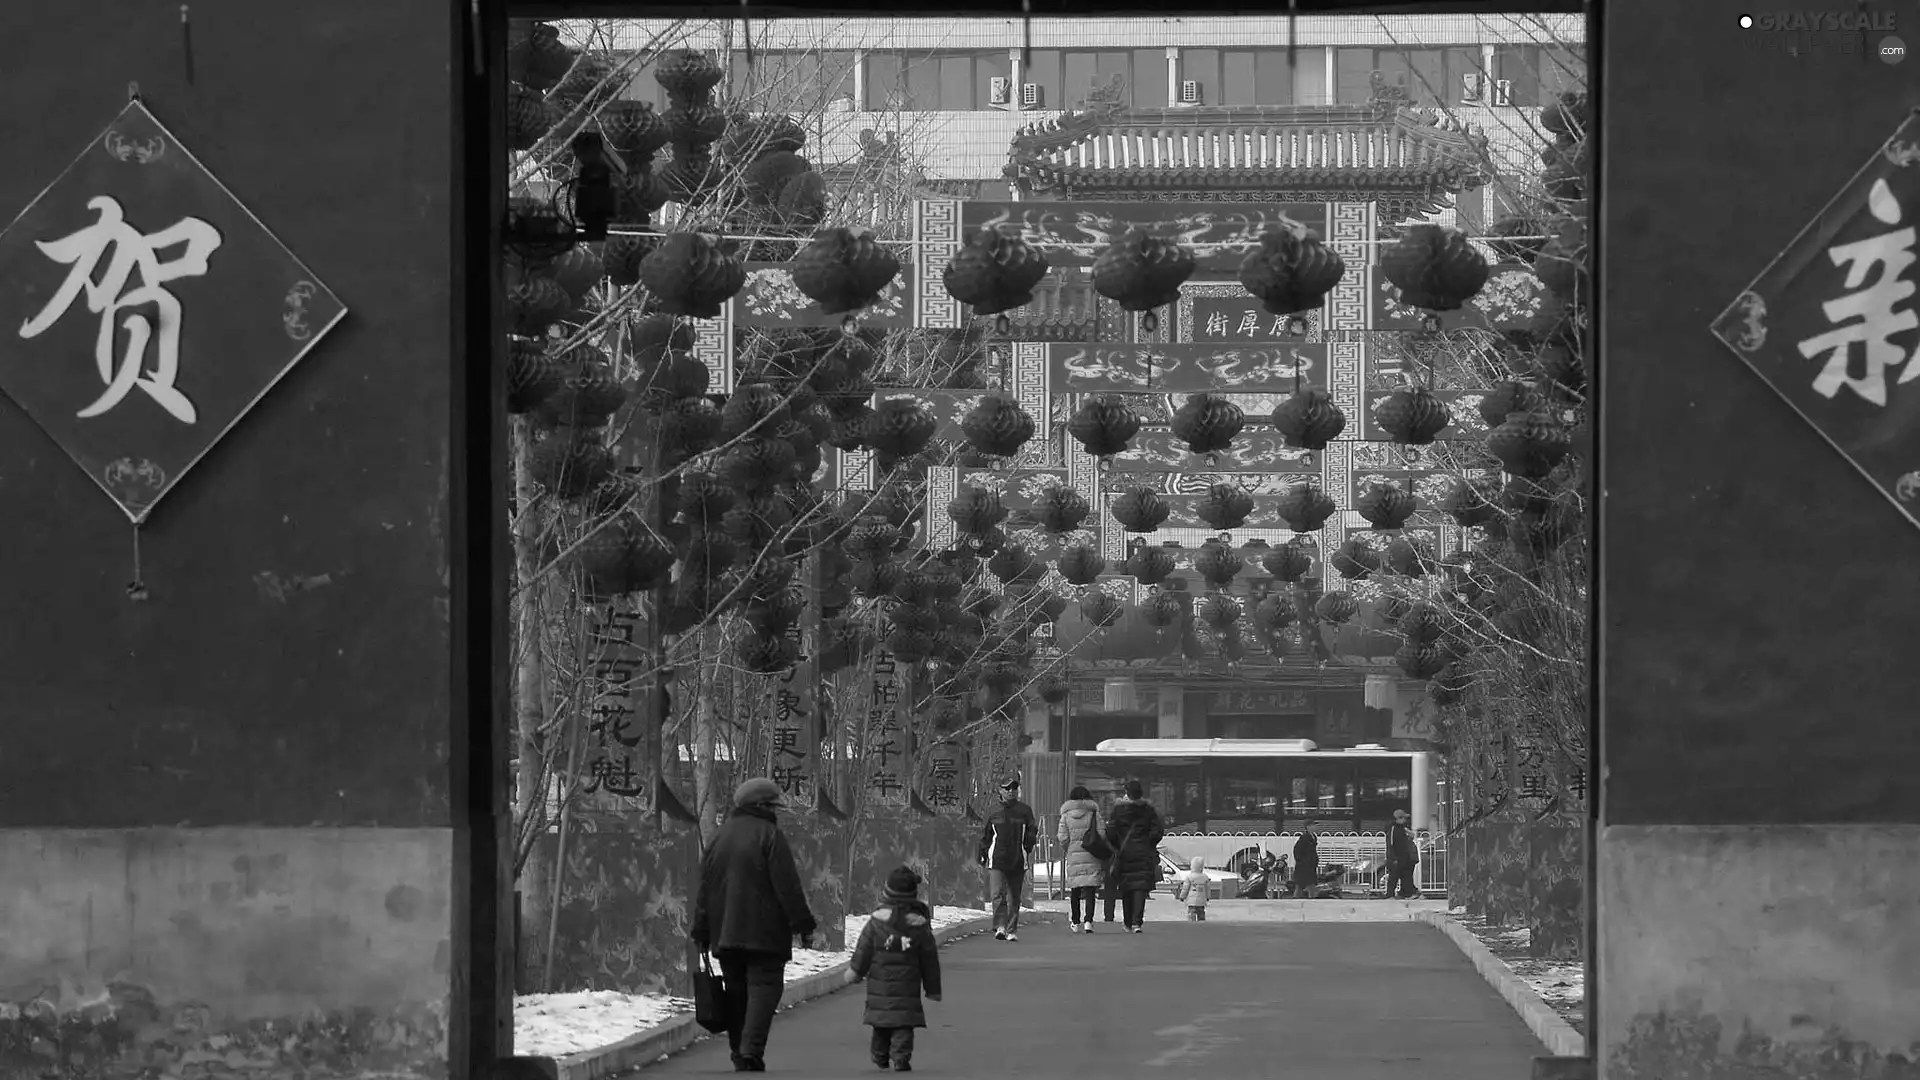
pixel 1385 785
pixel 1243 795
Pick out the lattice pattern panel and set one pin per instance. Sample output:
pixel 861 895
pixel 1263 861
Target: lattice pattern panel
pixel 1348 315
pixel 1030 390
pixel 853 469
pixel 936 238
pixel 943 486
pixel 713 345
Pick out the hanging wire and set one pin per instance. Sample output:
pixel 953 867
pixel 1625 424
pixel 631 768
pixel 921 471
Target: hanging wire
pixel 136 588
pixel 1026 38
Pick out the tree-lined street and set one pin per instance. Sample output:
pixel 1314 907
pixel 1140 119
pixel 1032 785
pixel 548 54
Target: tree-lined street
pixel 1356 1001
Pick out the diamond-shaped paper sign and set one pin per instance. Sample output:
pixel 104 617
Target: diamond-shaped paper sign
pixel 1831 324
pixel 144 310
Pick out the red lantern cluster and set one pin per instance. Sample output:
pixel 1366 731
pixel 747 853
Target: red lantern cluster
pixel 1471 502
pixel 691 274
pixel 1104 426
pixel 1208 423
pixel 997 427
pixel 1308 419
pixel 1140 510
pixel 1225 507
pixel 1217 564
pixel 1149 565
pixel 1305 508
pixel 900 427
pixel 1355 560
pixel 1530 444
pixel 1061 509
pixel 976 510
pixel 1435 268
pixel 1166 608
pixel 994 272
pixel 1101 608
pixel 1141 272
pixel 1336 608
pixel 1081 564
pixel 1412 416
pixel 693 122
pixel 1219 611
pixel 844 270
pixel 1291 271
pixel 1386 507
pixel 1288 562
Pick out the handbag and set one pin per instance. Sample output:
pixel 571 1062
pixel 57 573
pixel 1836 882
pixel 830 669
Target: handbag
pixel 1113 861
pixel 709 998
pixel 1093 843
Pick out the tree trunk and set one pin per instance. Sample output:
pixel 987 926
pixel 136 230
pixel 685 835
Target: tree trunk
pixel 707 797
pixel 532 775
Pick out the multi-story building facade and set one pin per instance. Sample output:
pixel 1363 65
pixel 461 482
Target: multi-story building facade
pixel 953 93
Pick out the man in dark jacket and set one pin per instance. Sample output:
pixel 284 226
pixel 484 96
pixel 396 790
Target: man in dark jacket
pixel 1306 862
pixel 749 908
pixel 1006 850
pixel 1402 856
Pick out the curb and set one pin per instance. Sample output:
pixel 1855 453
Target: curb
pixel 1558 1036
pixel 643 1048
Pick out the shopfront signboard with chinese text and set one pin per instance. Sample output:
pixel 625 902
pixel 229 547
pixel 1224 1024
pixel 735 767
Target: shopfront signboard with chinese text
pixel 1183 367
pixel 144 311
pixel 1831 324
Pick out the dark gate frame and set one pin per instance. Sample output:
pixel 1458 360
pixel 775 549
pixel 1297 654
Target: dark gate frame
pixel 484 925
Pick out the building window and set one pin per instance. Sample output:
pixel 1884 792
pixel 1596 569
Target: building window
pixel 777 81
pixel 1432 77
pixel 1065 76
pixel 1256 76
pixel 933 81
pixel 1538 74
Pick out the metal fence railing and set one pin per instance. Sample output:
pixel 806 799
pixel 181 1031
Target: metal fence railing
pixel 1363 854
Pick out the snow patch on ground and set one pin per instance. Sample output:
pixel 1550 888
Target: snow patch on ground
pixel 1562 984
pixel 555 1025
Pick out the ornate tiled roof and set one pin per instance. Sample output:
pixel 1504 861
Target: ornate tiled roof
pixel 1383 151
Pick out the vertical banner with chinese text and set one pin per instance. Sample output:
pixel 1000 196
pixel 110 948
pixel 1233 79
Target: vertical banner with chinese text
pixel 885 764
pixel 793 733
pixel 943 778
pixel 621 731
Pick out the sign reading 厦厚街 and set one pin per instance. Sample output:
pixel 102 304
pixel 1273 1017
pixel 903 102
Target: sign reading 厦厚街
pixel 1830 324
pixel 144 310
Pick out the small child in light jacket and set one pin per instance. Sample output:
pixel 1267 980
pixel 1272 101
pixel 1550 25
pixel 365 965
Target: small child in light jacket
pixel 1195 888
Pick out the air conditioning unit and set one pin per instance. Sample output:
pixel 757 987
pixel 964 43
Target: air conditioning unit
pixel 1029 95
pixel 1190 92
pixel 999 90
pixel 1475 89
pixel 1503 91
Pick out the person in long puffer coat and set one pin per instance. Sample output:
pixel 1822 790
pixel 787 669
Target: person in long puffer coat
pixel 1134 832
pixel 899 958
pixel 1084 871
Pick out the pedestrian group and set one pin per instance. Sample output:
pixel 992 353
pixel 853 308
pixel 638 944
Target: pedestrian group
pixel 752 904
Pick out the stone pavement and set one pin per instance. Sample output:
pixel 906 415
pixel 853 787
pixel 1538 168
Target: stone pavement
pixel 1339 1001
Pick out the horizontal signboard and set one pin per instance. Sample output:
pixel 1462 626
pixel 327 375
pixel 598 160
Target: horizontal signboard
pixel 1074 233
pixel 1183 367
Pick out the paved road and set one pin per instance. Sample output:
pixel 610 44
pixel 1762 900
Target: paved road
pixel 1247 1001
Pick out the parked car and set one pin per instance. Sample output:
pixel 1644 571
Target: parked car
pixel 1172 864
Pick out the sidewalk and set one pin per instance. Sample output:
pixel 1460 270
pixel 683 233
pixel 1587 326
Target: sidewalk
pixel 1357 1001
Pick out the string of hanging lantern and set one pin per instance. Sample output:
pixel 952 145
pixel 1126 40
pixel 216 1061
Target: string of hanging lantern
pixel 1202 249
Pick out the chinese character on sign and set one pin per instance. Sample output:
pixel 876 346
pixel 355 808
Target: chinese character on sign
pixel 1249 323
pixel 1533 786
pixel 884 751
pixel 1577 783
pixel 1871 316
pixel 792 780
pixel 148 313
pixel 612 777
pixel 1216 323
pixel 611 719
pixel 786 742
pixel 943 795
pixel 887 785
pixel 945 768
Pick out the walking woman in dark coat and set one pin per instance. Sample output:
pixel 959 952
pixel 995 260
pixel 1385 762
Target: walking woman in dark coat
pixel 1134 832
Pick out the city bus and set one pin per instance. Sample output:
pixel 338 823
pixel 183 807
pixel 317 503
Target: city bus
pixel 1229 800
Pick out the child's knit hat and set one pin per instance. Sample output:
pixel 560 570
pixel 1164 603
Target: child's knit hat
pixel 903 884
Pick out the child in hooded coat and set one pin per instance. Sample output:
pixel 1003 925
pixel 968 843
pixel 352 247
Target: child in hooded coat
pixel 899 958
pixel 1196 888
